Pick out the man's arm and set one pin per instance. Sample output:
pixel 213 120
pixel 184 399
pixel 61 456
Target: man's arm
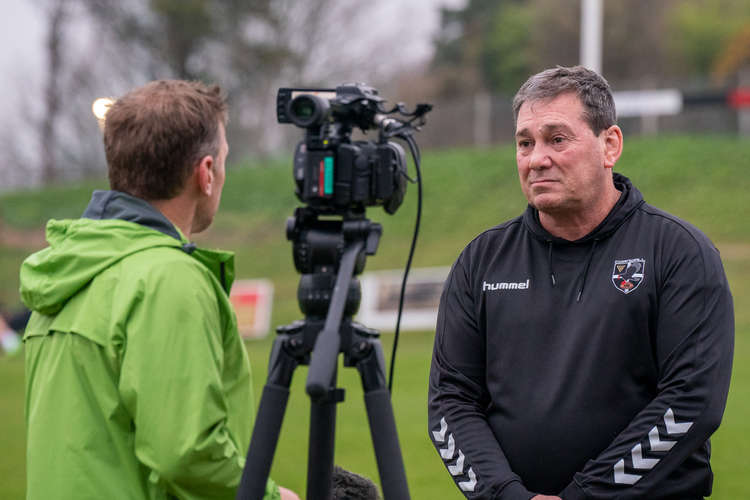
pixel 694 338
pixel 173 385
pixel 458 399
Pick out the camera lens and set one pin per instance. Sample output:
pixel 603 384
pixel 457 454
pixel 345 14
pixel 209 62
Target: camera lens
pixel 303 108
pixel 308 110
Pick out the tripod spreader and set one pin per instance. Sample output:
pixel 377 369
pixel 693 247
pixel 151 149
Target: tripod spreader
pixel 362 349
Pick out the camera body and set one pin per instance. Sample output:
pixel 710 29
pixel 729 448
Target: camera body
pixel 333 173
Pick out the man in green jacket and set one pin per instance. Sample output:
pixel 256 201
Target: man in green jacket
pixel 138 385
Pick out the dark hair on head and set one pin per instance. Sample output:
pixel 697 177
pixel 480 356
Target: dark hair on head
pixel 350 486
pixel 590 87
pixel 155 135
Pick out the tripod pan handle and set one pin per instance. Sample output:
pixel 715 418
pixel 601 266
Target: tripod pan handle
pixel 328 343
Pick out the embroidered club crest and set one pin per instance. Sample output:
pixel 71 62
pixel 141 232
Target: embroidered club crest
pixel 628 274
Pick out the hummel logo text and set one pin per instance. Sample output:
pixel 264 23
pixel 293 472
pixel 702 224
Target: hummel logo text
pixel 524 285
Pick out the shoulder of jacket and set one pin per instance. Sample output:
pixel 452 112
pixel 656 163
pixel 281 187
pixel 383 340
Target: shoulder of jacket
pixel 488 239
pixel 675 226
pixel 488 236
pixel 162 262
pixel 682 239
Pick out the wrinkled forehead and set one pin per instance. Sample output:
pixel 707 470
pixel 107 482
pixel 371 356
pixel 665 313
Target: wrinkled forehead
pixel 550 112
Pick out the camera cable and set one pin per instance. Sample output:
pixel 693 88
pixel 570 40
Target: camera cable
pixel 417 163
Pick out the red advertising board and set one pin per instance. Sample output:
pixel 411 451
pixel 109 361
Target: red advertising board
pixel 252 300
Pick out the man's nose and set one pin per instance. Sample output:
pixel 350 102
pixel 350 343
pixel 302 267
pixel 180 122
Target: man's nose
pixel 540 157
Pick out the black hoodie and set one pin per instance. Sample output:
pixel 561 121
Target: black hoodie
pixel 596 368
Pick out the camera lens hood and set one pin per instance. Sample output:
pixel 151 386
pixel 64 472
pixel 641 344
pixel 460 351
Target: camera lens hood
pixel 308 110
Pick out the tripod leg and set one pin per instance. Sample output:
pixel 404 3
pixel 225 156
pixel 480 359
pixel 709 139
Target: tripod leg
pixel 267 424
pixel 263 443
pixel 320 451
pixel 383 425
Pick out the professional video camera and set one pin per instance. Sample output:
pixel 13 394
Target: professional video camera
pixel 334 173
pixel 336 178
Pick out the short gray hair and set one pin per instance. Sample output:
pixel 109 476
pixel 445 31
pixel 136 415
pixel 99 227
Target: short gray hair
pixel 590 87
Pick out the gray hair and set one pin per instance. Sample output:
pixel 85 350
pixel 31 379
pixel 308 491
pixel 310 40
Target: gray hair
pixel 590 87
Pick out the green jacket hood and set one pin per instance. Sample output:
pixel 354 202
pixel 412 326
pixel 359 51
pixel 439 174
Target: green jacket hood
pixel 113 226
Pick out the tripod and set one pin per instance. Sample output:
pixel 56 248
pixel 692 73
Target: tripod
pixel 328 253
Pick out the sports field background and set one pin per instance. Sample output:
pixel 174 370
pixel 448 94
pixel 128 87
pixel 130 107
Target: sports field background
pixel 702 179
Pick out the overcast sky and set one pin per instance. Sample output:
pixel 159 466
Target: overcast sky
pixel 20 32
pixel 20 48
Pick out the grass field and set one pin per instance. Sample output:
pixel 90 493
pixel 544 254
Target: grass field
pixel 701 179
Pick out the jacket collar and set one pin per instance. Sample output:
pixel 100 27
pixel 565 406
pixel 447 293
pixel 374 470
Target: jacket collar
pixel 122 206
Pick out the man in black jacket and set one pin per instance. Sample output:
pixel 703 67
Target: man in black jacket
pixel 583 349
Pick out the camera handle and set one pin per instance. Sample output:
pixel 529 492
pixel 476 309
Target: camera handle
pixel 361 348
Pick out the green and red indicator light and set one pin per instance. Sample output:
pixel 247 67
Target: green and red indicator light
pixel 325 176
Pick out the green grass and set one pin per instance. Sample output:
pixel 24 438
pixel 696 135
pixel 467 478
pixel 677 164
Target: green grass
pixel 12 459
pixel 28 209
pixel 702 179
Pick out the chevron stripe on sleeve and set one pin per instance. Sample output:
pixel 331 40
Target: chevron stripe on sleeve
pixel 454 458
pixel 658 444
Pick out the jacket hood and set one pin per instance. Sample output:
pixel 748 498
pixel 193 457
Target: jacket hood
pixel 630 199
pixel 114 226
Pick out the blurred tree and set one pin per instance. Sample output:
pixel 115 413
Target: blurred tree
pixel 494 45
pixel 555 33
pixel 703 31
pixel 178 37
pixel 231 42
pixel 507 54
pixel 634 52
pixel 734 56
pixel 249 47
pixel 459 45
pixel 59 119
pixel 56 12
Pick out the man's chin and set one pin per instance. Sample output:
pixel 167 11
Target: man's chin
pixel 201 226
pixel 546 203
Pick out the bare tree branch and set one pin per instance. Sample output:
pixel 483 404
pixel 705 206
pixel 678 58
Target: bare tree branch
pixel 56 17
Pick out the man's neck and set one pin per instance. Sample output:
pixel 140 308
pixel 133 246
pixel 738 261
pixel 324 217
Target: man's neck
pixel 180 211
pixel 575 225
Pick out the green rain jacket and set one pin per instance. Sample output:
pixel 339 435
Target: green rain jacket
pixel 138 385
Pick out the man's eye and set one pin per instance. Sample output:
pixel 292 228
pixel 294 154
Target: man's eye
pixel 524 144
pixel 558 139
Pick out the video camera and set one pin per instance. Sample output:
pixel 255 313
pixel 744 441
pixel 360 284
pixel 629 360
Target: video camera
pixel 334 174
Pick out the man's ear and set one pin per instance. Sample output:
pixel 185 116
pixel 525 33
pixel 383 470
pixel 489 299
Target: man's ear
pixel 204 173
pixel 612 146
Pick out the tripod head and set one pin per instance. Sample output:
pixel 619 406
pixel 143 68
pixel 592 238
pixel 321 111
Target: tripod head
pixel 329 253
pixel 317 247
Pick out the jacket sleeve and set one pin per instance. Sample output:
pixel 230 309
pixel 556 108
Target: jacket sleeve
pixel 172 383
pixel 693 344
pixel 458 400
